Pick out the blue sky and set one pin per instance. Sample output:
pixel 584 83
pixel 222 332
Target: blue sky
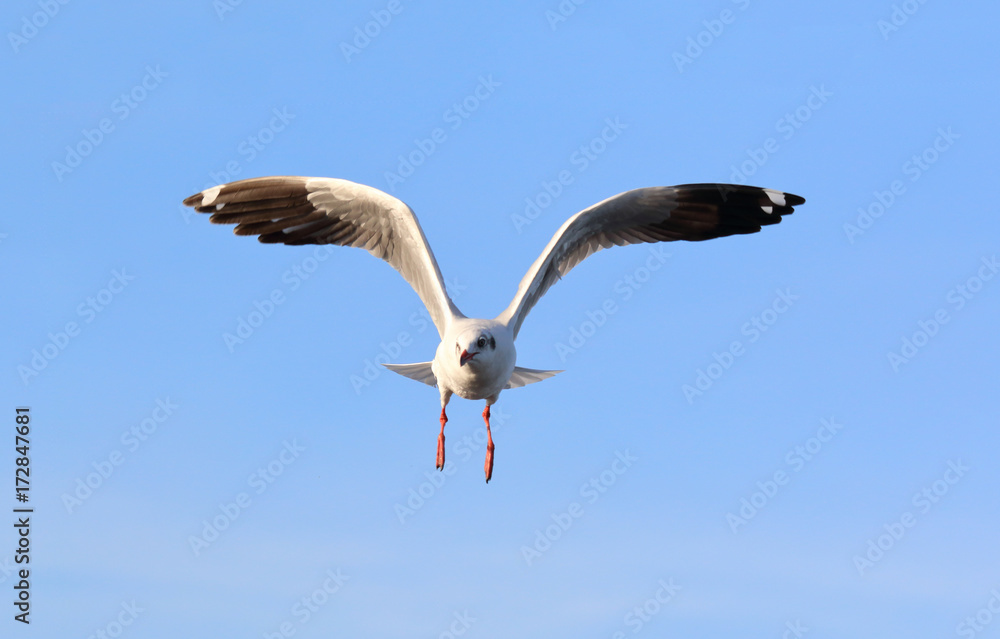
pixel 786 434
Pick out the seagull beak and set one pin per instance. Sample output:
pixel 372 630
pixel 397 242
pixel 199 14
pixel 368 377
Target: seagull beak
pixel 465 357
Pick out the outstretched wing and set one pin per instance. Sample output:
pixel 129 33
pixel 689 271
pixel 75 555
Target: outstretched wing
pixel 306 210
pixel 524 376
pixel 424 372
pixel 421 371
pixel 692 212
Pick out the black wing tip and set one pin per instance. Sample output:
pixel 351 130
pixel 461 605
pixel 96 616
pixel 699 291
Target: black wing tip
pixel 257 186
pixel 194 200
pixel 725 190
pixel 794 200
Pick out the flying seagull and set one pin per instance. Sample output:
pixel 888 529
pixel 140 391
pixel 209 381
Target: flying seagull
pixel 476 358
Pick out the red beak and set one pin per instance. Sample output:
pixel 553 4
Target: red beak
pixel 465 356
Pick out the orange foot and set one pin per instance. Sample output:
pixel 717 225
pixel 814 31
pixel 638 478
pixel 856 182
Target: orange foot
pixel 440 454
pixel 488 466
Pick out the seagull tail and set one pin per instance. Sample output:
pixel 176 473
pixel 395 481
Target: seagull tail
pixel 420 371
pixel 524 376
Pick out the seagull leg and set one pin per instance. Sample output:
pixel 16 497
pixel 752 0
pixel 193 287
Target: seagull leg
pixel 488 466
pixel 440 455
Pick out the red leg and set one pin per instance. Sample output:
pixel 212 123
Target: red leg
pixel 488 466
pixel 440 455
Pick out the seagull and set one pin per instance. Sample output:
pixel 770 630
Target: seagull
pixel 476 358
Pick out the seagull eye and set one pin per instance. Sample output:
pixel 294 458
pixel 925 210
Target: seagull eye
pixel 481 343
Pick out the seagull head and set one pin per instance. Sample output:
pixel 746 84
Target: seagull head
pixel 475 346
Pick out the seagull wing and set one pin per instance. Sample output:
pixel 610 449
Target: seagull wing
pixel 306 210
pixel 692 212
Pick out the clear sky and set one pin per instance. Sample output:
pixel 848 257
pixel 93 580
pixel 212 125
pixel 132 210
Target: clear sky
pixel 779 435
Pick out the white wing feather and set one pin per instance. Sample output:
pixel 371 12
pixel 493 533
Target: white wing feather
pixel 305 210
pixel 690 212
